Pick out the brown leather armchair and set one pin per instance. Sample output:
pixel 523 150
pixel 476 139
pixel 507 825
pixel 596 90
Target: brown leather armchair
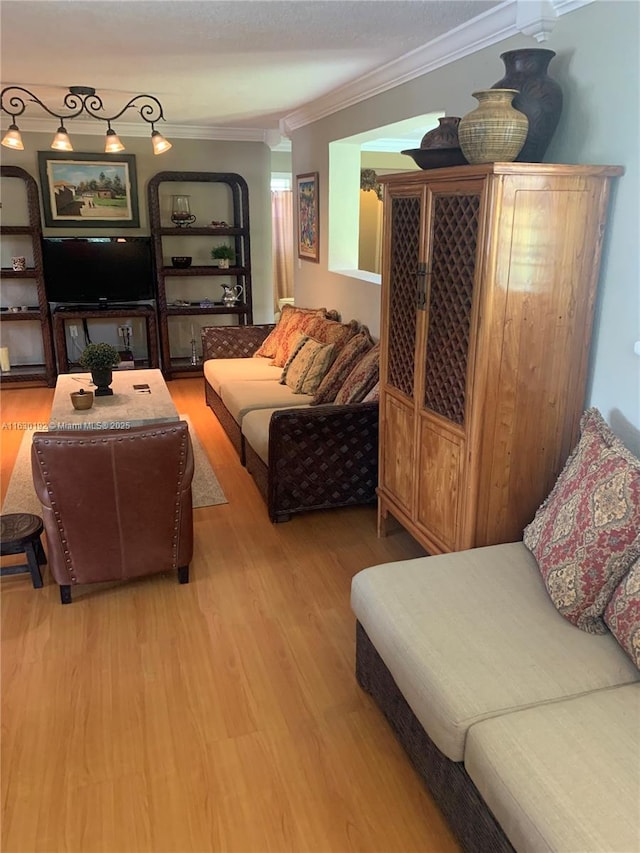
pixel 116 504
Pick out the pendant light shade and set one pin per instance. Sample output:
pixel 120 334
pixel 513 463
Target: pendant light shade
pixel 160 144
pixel 111 143
pixel 61 141
pixel 12 138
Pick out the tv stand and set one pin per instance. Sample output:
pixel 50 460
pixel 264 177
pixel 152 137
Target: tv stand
pixel 95 312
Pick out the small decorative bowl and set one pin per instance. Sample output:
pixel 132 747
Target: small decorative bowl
pixel 181 262
pixel 436 158
pixel 82 399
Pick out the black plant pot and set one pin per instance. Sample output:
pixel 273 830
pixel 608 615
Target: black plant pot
pixel 102 380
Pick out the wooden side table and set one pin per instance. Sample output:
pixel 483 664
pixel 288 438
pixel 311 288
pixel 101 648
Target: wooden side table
pixel 20 534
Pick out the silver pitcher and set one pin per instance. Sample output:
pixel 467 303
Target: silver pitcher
pixel 231 293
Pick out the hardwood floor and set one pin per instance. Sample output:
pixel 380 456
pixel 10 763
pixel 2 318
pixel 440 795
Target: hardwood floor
pixel 219 716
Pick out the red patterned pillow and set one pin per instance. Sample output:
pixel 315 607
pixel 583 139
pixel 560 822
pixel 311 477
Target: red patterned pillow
pixel 345 361
pixel 361 379
pixel 332 332
pixel 269 346
pixel 623 613
pixel 303 322
pixel 586 534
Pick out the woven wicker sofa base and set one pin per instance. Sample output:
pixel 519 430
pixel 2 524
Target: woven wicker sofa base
pixel 453 791
pixel 323 457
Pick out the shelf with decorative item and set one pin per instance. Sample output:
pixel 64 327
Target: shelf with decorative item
pixel 207 269
pixel 214 308
pixel 22 313
pixel 29 272
pixel 191 231
pixel 193 279
pixel 24 373
pixel 27 289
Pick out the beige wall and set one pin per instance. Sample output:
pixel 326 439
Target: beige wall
pixel 597 66
pixel 252 160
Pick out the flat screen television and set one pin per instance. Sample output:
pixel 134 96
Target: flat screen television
pixel 97 270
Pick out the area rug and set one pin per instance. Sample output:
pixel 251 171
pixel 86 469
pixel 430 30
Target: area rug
pixel 21 496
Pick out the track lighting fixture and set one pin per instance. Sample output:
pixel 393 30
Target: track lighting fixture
pixel 79 100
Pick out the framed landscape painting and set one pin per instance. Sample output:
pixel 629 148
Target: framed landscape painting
pixel 89 190
pixel 308 222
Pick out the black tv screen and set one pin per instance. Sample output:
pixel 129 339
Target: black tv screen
pixel 97 270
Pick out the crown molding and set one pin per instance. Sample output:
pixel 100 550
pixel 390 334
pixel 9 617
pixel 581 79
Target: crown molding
pixel 532 17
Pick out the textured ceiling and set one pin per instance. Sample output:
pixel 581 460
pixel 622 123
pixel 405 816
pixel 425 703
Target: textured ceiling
pixel 213 63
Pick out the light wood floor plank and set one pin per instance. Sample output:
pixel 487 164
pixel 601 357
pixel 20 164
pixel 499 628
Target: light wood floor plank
pixel 222 715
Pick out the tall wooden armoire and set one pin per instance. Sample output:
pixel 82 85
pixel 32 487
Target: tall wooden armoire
pixel 488 287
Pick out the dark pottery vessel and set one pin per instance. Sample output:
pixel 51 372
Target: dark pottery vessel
pixel 102 380
pixel 436 158
pixel 443 136
pixel 539 97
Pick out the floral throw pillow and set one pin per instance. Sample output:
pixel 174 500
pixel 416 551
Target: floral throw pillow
pixel 361 379
pixel 308 364
pixel 269 347
pixel 345 361
pixel 586 534
pixel 301 322
pixel 623 613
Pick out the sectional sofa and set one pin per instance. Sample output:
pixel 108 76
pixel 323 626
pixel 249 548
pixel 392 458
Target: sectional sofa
pixel 306 447
pixel 510 673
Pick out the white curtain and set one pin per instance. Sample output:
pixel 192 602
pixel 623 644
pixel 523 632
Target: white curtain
pixel 282 229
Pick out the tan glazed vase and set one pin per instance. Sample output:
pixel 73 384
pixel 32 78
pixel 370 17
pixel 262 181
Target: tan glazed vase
pixel 494 131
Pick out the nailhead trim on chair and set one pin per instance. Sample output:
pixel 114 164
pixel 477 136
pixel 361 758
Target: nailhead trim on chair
pixel 80 441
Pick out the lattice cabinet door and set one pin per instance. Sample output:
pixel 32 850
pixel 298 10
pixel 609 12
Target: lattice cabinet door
pixel 403 294
pixel 451 263
pixel 402 298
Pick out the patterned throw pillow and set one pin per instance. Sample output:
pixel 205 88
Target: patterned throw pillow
pixel 308 364
pixel 301 322
pixel 269 346
pixel 332 332
pixel 361 379
pixel 586 534
pixel 345 361
pixel 623 613
pixel 374 395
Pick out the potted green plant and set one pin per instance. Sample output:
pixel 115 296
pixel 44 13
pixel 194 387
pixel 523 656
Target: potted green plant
pixel 100 359
pixel 224 255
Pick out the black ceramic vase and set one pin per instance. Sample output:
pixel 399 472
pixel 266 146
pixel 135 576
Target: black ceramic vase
pixel 102 380
pixel 539 97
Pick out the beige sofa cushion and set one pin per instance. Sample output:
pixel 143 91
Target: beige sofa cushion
pixel 563 776
pixel 473 634
pixel 241 397
pixel 220 370
pixel 255 429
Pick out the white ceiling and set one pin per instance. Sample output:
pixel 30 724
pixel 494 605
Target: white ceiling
pixel 225 64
